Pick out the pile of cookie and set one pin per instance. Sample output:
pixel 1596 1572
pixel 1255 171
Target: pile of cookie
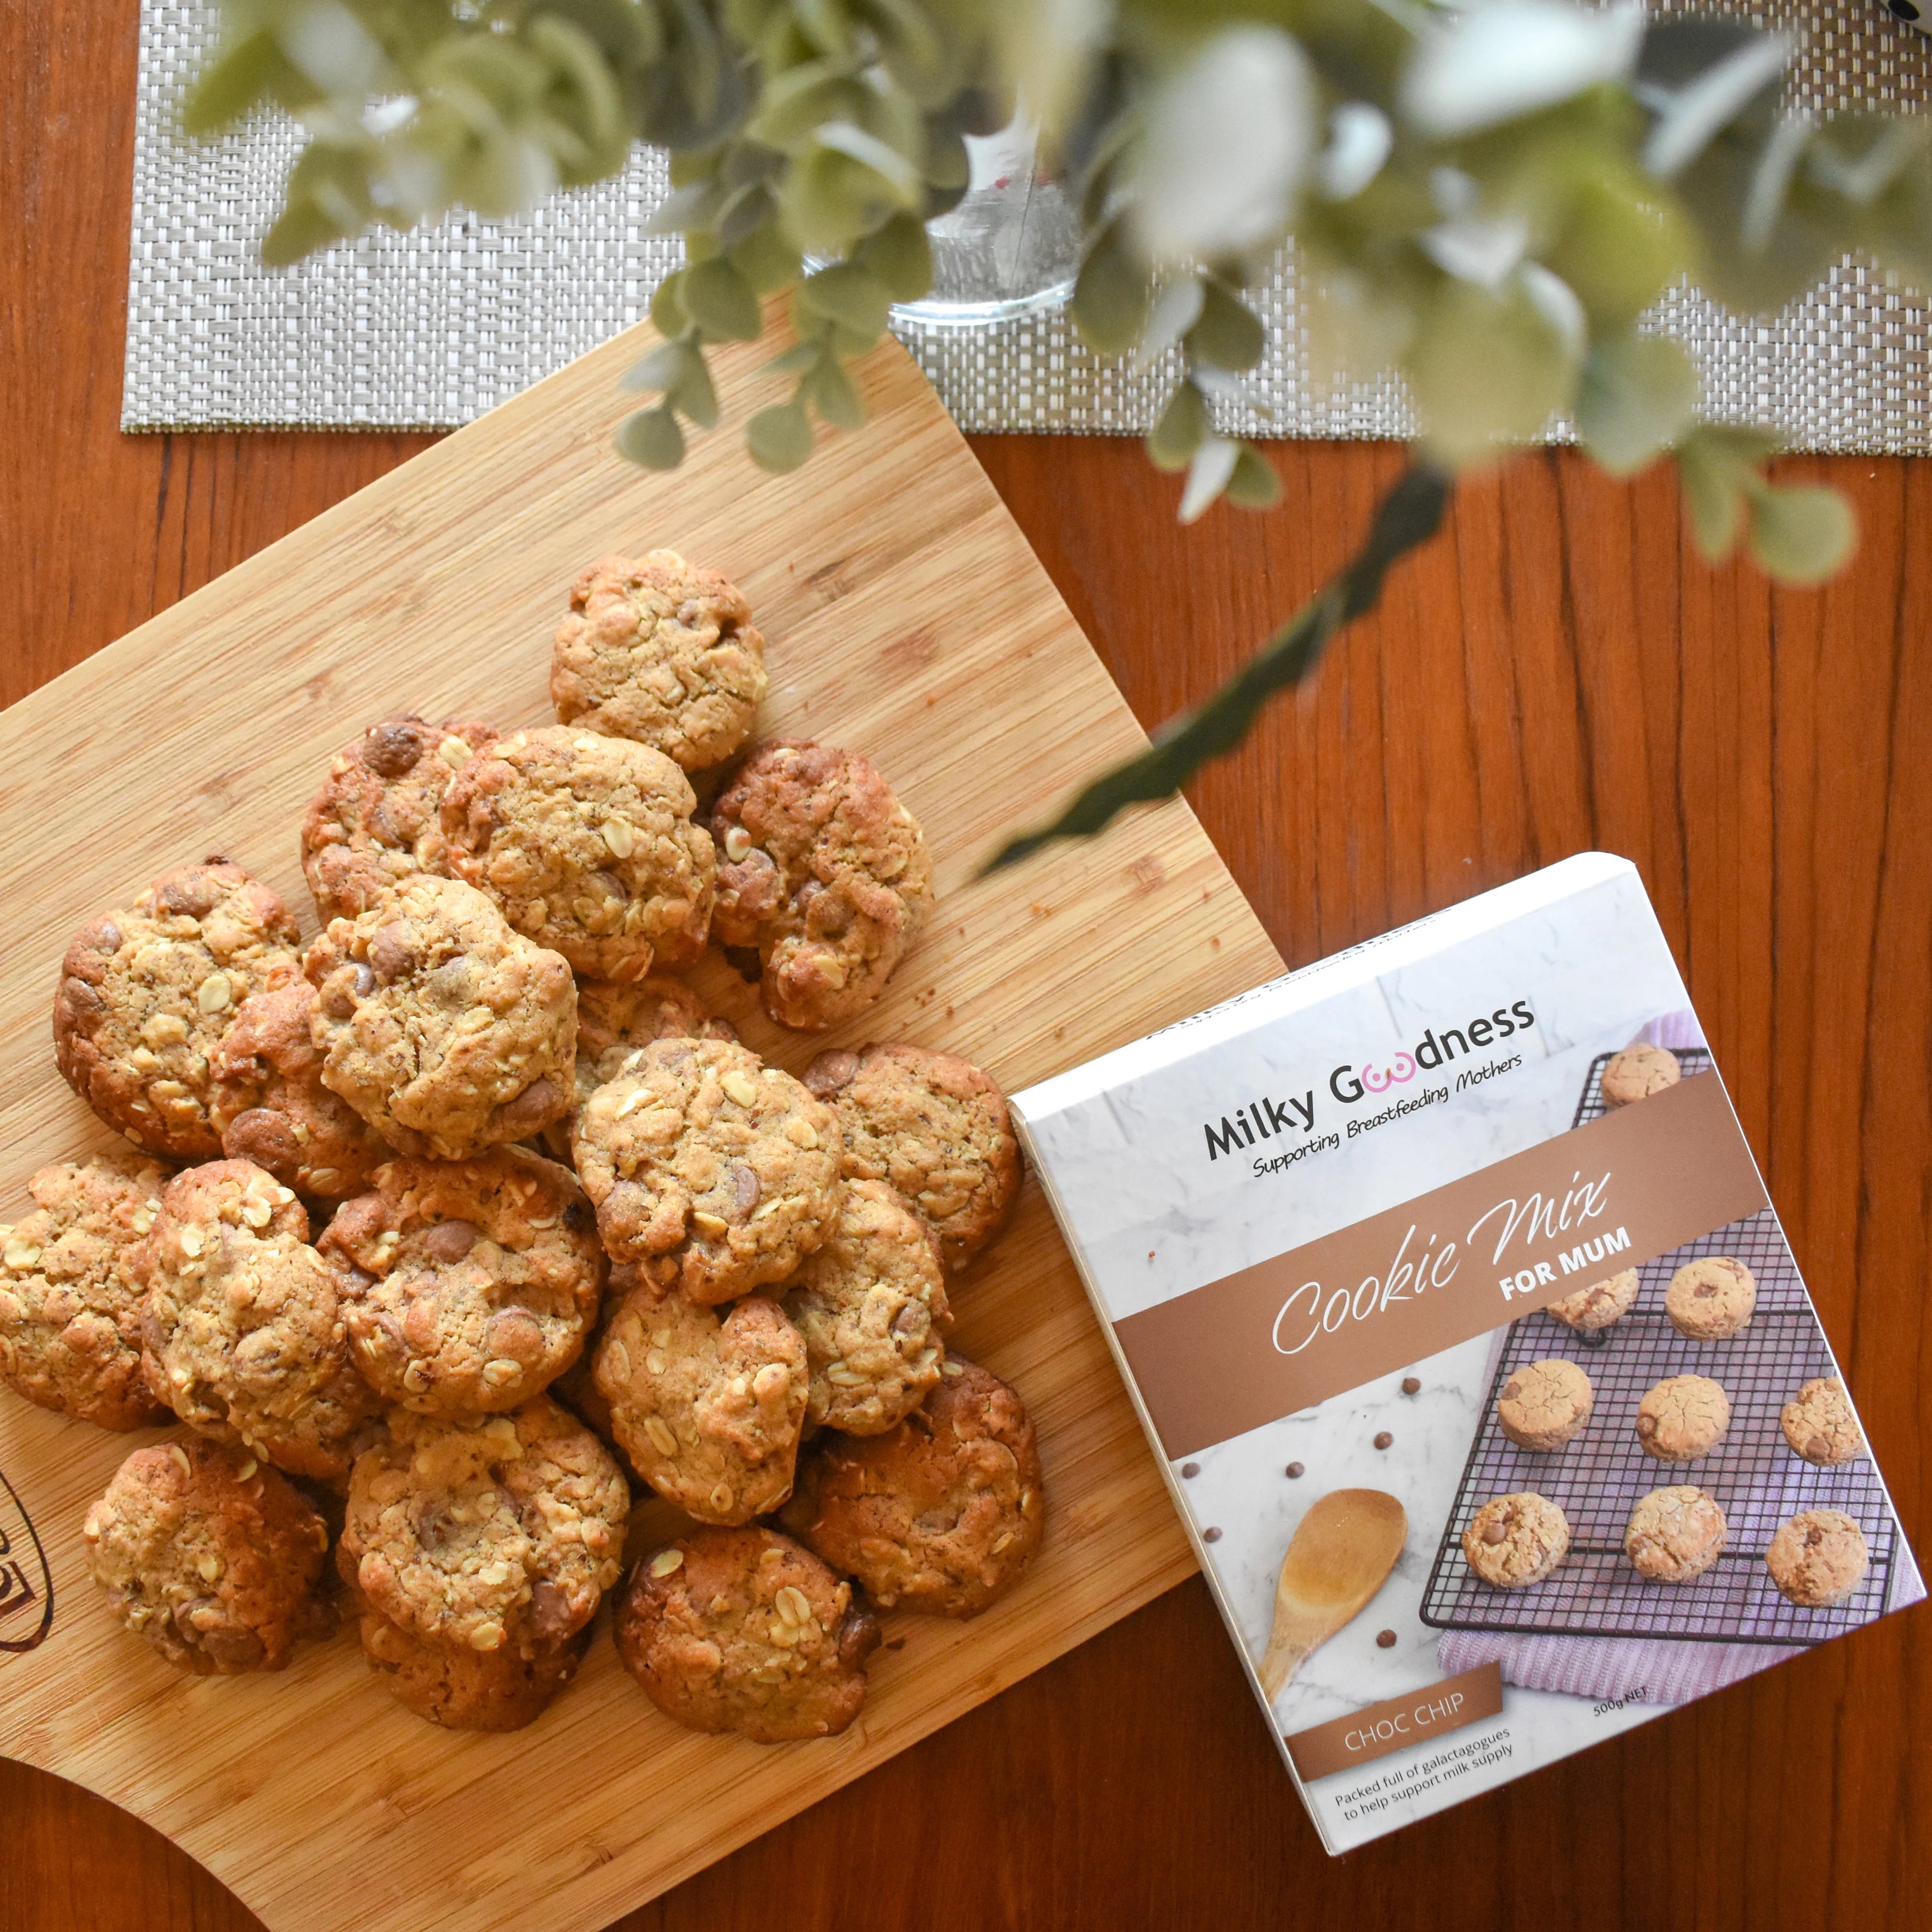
pixel 439 1231
pixel 1815 1558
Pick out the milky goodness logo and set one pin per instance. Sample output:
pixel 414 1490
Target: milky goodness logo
pixel 1267 1117
pixel 26 1590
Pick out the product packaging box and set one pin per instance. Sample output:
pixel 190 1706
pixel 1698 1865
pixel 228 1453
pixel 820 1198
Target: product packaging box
pixel 1453 1306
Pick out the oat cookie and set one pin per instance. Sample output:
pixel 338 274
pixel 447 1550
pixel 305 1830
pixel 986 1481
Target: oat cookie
pixel 824 871
pixel 446 1031
pixel 500 1535
pixel 1637 1073
pixel 467 1286
pixel 1818 1422
pixel 1546 1405
pixel 241 1335
pixel 708 1408
pixel 657 650
pixel 212 1556
pixel 587 844
pixel 1675 1534
pixel 934 1126
pixel 375 821
pixel 943 1514
pixel 1818 1558
pixel 1593 1309
pixel 614 1018
pixel 740 1630
pixel 711 1170
pixel 468 1690
pixel 1710 1300
pixel 1683 1418
pixel 871 1306
pixel 269 1105
pixel 71 1290
pixel 145 995
pixel 1513 1541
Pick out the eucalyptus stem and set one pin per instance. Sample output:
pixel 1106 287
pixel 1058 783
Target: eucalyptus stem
pixel 1406 518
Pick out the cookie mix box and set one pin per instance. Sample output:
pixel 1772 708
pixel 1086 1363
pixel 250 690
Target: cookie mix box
pixel 1482 1375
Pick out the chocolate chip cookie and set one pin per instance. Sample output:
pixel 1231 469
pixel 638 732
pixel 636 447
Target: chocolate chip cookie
pixel 740 1630
pixel 467 1690
pixel 241 1335
pixel 1674 1534
pixel 657 650
pixel 1545 1405
pixel 1683 1418
pixel 446 1031
pixel 708 1408
pixel 944 1513
pixel 822 870
pixel 871 1306
pixel 210 1556
pixel 1818 1422
pixel 1818 1558
pixel 1591 1309
pixel 500 1535
pixel 376 821
pixel 1637 1073
pixel 713 1171
pixel 268 1104
pixel 1710 1300
pixel 588 845
pixel 935 1127
pixel 145 995
pixel 467 1286
pixel 1516 1541
pixel 71 1290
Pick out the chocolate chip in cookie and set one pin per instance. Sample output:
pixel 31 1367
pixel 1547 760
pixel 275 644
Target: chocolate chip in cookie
pixel 210 1556
pixel 467 1286
pixel 935 1127
pixel 942 1513
pixel 741 1629
pixel 146 993
pixel 72 1290
pixel 446 1031
pixel 587 844
pixel 376 821
pixel 657 650
pixel 825 872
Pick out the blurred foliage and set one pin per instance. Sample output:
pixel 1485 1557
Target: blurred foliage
pixel 1489 198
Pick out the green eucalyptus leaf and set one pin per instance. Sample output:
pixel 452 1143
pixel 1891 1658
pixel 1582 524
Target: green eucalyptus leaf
pixel 1207 475
pixel 861 144
pixel 779 437
pixel 847 294
pixel 947 166
pixel 1802 533
pixel 1111 294
pixel 694 393
pixel 689 207
pixel 1181 429
pixel 1175 311
pixel 766 260
pixel 824 25
pixel 668 305
pixel 1714 488
pixel 652 439
pixel 749 209
pixel 1228 334
pixel 1254 485
pixel 719 301
pixel 661 371
pixel 833 394
pixel 796 361
pixel 1636 396
pixel 249 72
pixel 899 258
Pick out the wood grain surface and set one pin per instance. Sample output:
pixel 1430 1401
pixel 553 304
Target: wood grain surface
pixel 1557 671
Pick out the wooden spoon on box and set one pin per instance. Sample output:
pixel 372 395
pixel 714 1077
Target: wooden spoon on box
pixel 1338 1558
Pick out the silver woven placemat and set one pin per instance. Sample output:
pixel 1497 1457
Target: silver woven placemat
pixel 429 330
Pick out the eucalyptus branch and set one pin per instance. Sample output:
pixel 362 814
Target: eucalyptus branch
pixel 1406 518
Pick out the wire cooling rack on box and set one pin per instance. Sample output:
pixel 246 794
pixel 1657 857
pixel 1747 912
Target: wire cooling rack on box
pixel 1598 1479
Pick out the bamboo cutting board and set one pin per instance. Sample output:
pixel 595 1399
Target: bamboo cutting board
pixel 906 618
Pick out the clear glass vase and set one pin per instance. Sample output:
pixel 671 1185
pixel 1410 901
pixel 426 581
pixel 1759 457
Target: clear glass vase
pixel 1012 245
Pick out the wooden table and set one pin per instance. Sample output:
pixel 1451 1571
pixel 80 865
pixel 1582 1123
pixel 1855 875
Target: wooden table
pixel 1558 671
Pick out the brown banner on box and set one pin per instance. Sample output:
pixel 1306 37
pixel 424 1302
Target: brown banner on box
pixel 1456 1262
pixel 1397 1723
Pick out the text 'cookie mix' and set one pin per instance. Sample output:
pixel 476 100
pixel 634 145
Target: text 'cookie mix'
pixel 1454 1308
